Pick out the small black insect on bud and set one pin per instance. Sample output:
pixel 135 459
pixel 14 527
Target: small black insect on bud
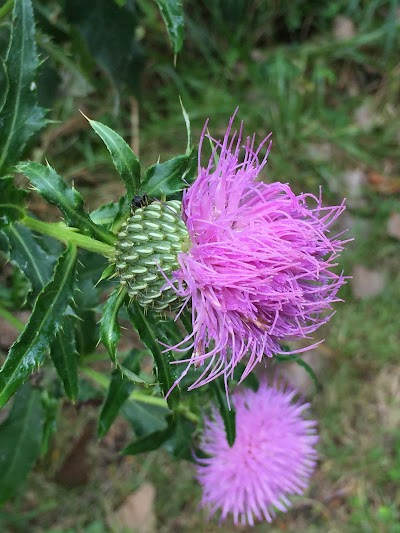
pixel 140 200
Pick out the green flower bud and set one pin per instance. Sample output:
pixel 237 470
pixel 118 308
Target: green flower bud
pixel 150 240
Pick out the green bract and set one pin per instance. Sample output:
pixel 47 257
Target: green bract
pixel 146 252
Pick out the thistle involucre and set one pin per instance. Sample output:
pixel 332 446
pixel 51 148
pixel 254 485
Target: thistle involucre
pixel 259 270
pixel 146 252
pixel 272 457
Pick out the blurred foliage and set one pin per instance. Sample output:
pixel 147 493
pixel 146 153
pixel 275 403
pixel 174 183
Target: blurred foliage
pixel 325 78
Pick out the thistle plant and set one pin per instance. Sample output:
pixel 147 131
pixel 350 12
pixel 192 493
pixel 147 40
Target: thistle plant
pixel 217 272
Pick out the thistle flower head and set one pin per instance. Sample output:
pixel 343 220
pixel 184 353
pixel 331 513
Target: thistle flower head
pixel 272 457
pixel 259 268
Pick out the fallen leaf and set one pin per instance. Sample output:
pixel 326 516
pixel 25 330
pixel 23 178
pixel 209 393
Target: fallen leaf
pixel 137 514
pixel 343 28
pixel 383 184
pixel 367 283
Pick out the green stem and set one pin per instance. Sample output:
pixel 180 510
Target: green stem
pixel 96 376
pixel 101 356
pixel 68 235
pixel 6 8
pixel 187 413
pixel 145 398
pixel 104 382
pixel 18 325
pixel 138 396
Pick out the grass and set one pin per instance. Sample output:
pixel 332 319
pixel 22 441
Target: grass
pixel 288 73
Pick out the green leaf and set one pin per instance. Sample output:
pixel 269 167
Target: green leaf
pixel 109 214
pixel 90 267
pixel 20 438
pixel 28 253
pixel 132 376
pixel 145 418
pixel 11 201
pixel 64 355
pixel 180 444
pixel 172 13
pixel 147 326
pixel 171 176
pixel 50 406
pixel 109 32
pixel 28 350
pixel 125 161
pixel 53 189
pixel 20 116
pixel 152 441
pixel 110 331
pixel 227 412
pixel 118 392
pixel 4 84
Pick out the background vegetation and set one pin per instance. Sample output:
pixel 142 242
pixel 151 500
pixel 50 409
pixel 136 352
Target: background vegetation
pixel 325 78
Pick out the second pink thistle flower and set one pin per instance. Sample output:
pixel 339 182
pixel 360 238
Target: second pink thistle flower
pixel 272 458
pixel 259 268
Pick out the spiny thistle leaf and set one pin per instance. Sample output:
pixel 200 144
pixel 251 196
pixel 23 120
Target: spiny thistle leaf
pixel 29 349
pixel 20 116
pixel 11 201
pixel 172 13
pixel 145 418
pixel 53 189
pixel 152 441
pixel 20 439
pixel 125 161
pixel 110 331
pixel 148 326
pixel 171 176
pixel 109 32
pixel 112 215
pixel 64 355
pixel 30 257
pixel 118 392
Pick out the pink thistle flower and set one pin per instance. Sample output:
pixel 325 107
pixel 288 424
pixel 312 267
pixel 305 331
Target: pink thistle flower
pixel 259 268
pixel 272 457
